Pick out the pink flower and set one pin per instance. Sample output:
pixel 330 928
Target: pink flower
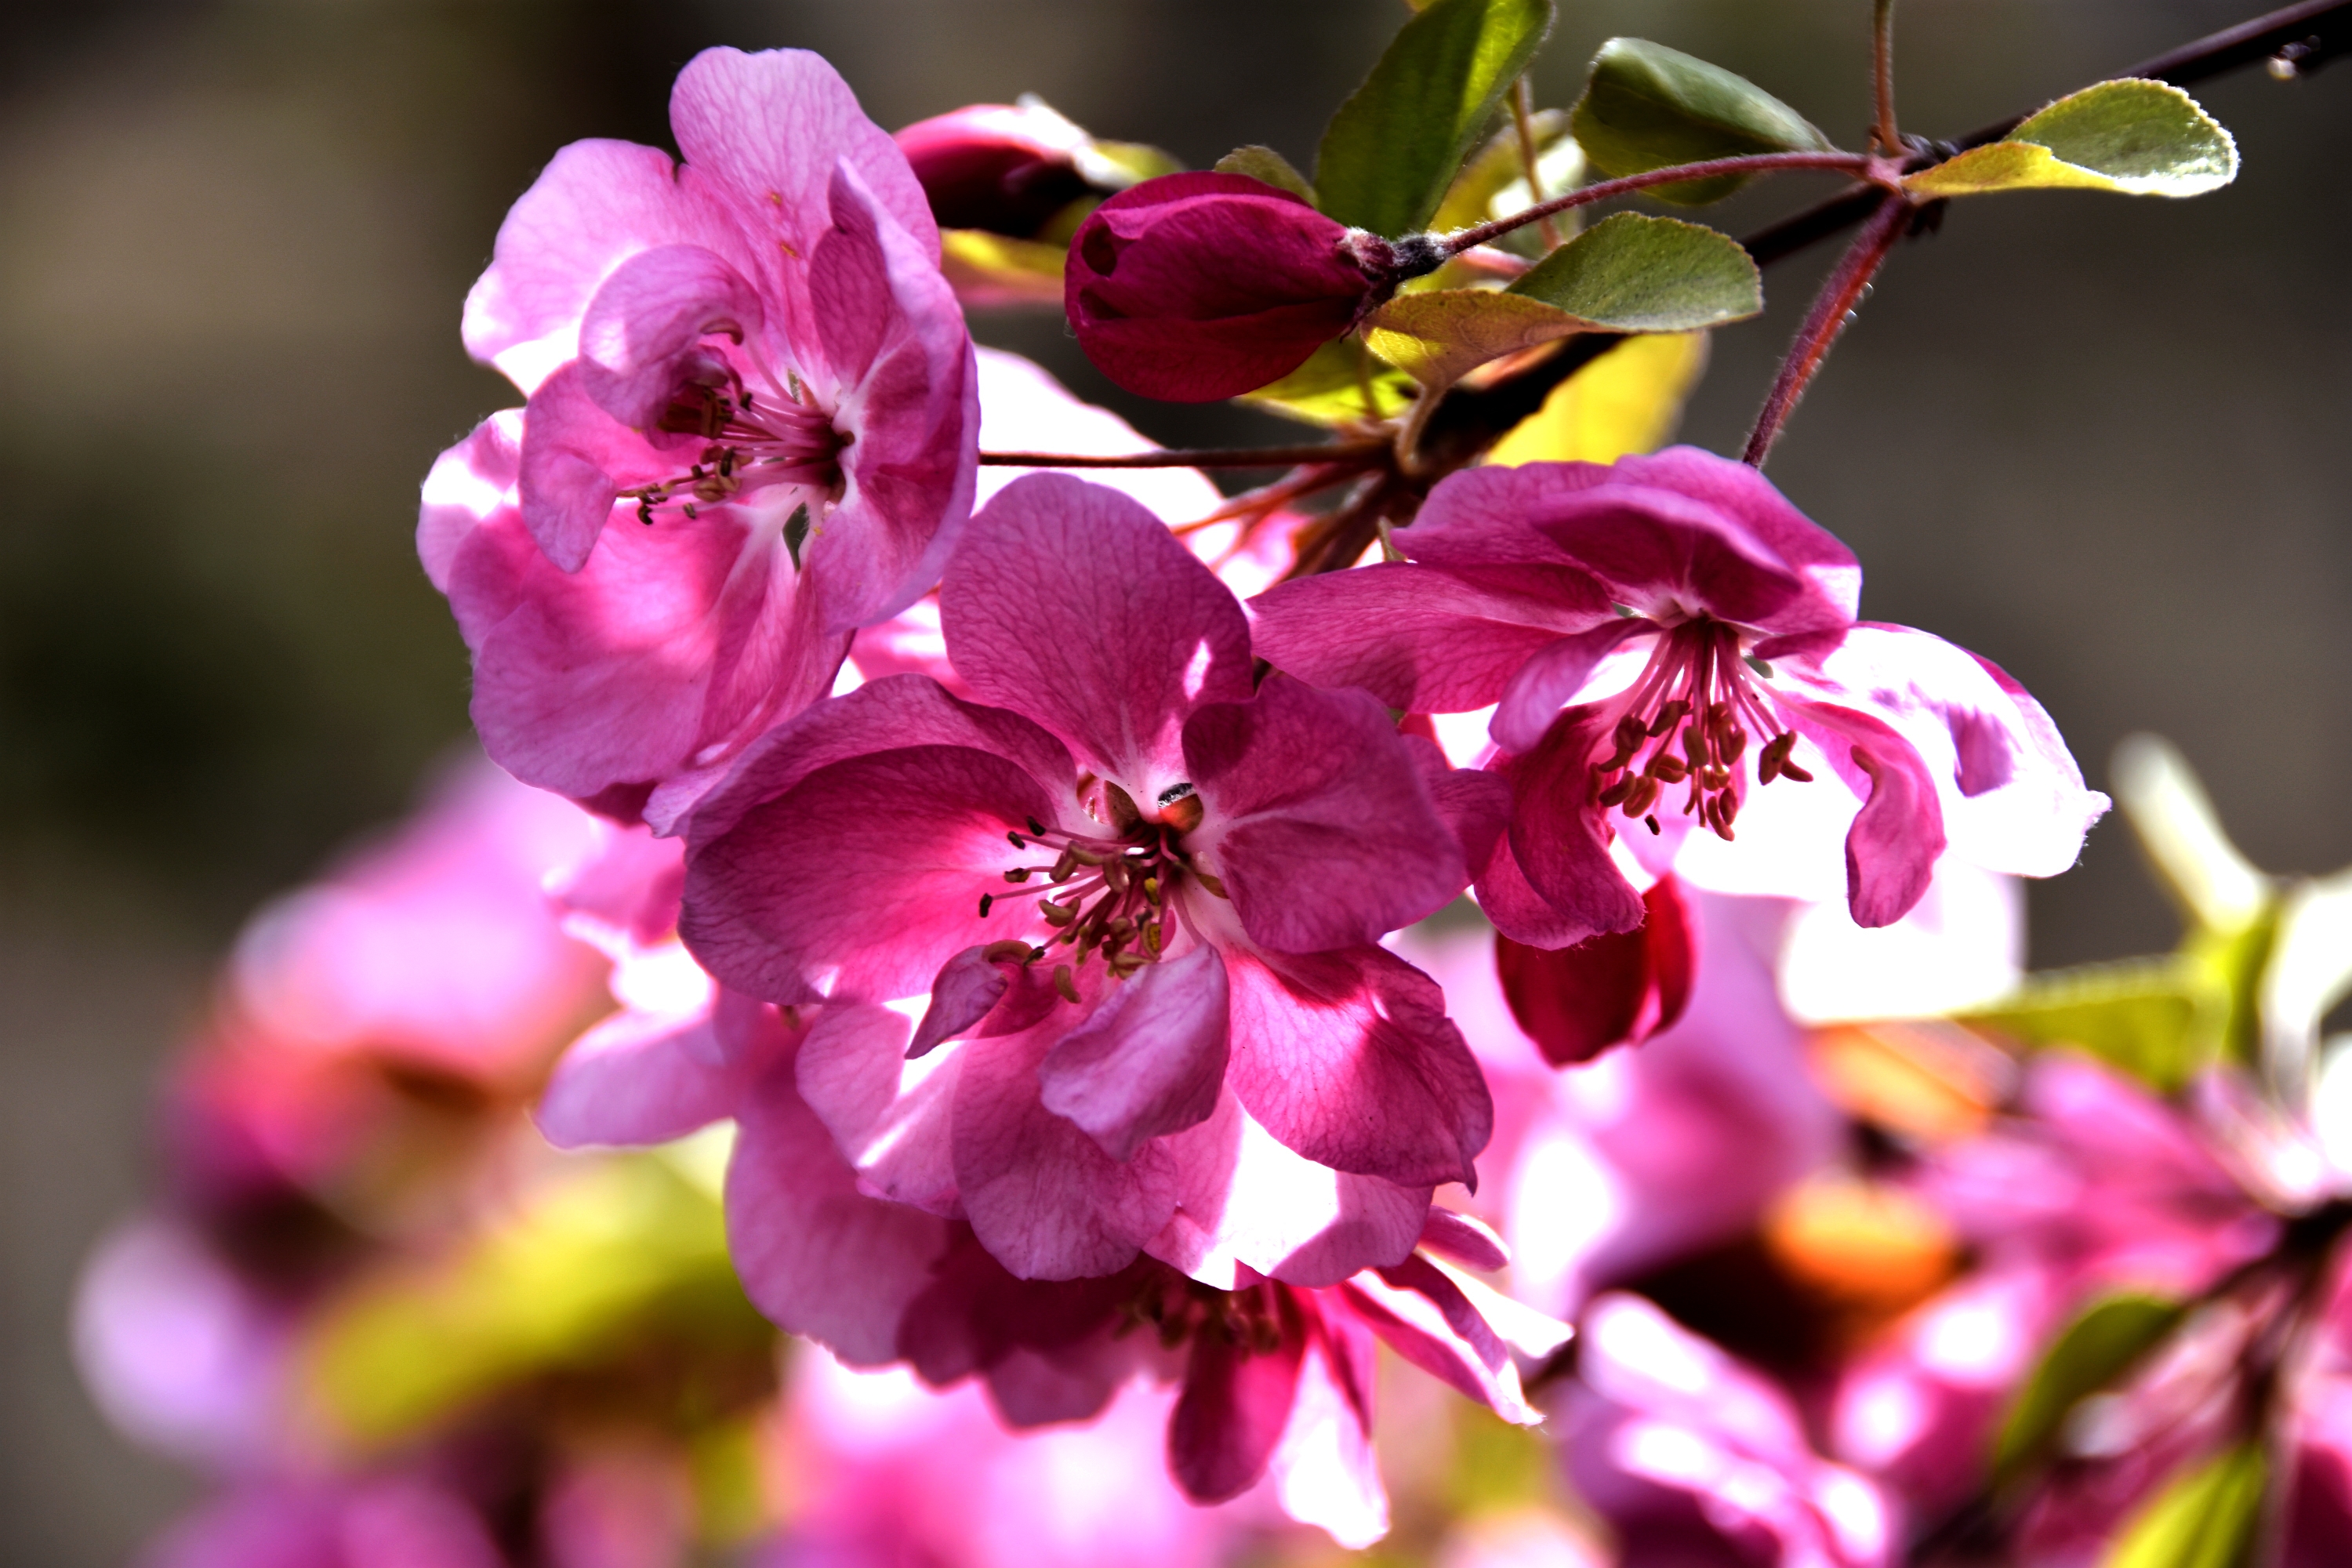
pixel 392 1523
pixel 1006 168
pixel 752 361
pixel 1669 626
pixel 1201 971
pixel 1693 1458
pixel 1196 287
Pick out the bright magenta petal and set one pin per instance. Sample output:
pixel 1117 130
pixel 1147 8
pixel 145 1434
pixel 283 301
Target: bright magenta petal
pixel 1149 1060
pixel 1235 1405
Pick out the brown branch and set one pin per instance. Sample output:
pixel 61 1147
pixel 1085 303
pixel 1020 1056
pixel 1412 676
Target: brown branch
pixel 1359 454
pixel 1831 308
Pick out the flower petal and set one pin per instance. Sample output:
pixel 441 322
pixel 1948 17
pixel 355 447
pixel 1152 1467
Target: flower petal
pixel 1349 1059
pixel 1552 676
pixel 576 459
pixel 892 1120
pixel 1070 604
pixel 1318 819
pixel 1424 638
pixel 643 330
pixel 1235 1406
pixel 863 878
pixel 1616 988
pixel 1558 836
pixel 639 1078
pixel 1891 850
pixel 1149 1060
pixel 816 1257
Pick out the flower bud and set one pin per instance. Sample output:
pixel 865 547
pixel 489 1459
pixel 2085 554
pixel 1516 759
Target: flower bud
pixel 1196 287
pixel 1000 167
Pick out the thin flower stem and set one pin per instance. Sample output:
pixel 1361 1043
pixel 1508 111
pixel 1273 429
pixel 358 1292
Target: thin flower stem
pixel 1837 299
pixel 1860 164
pixel 1523 122
pixel 1882 73
pixel 1357 453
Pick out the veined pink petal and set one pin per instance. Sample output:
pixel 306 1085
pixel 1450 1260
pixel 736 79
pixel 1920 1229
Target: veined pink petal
pixel 768 130
pixel 1320 821
pixel 1465 1238
pixel 1248 1202
pixel 669 640
pixel 1552 676
pixel 639 1078
pixel 1891 850
pixel 1349 1059
pixel 645 327
pixel 974 1315
pixel 1657 549
pixel 863 878
pixel 1424 1316
pixel 1042 1195
pixel 1235 1405
pixel 966 989
pixel 1745 495
pixel 576 459
pixel 815 1255
pixel 1070 604
pixel 469 484
pixel 891 1120
pixel 1473 804
pixel 1558 841
pixel 1616 988
pixel 1427 639
pixel 1148 1059
pixel 909 397
pixel 893 712
pixel 596 204
pixel 1324 1472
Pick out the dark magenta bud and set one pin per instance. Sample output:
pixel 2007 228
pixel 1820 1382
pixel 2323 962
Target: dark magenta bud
pixel 1000 167
pixel 1195 287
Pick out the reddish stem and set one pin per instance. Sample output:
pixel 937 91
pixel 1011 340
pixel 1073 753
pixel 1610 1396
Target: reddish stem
pixel 1836 300
pixel 1857 164
pixel 1347 453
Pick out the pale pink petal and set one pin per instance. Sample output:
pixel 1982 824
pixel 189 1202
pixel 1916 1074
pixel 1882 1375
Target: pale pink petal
pixel 1319 821
pixel 892 1120
pixel 768 129
pixel 623 895
pixel 1148 1059
pixel 1023 409
pixel 966 989
pixel 1162 635
pixel 469 483
pixel 1424 638
pixel 816 1257
pixel 596 204
pixel 1424 1316
pixel 865 878
pixel 1465 1238
pixel 643 332
pixel 1325 1472
pixel 639 1078
pixel 1349 1059
pixel 1042 1195
pixel 576 459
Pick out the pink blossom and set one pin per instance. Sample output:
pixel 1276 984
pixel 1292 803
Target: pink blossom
pixel 754 356
pixel 393 1523
pixel 1206 974
pixel 1197 287
pixel 1696 1459
pixel 1670 625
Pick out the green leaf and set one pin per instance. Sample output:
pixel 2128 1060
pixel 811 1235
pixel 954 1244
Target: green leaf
pixel 1648 107
pixel 2096 1349
pixel 1637 274
pixel 1332 386
pixel 2155 1018
pixel 2205 1517
pixel 1393 148
pixel 1266 164
pixel 2141 138
pixel 1498 166
pixel 1628 274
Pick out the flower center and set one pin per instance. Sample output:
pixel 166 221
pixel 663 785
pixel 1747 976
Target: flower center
pixel 1108 894
pixel 1691 712
pixel 748 445
pixel 1179 1309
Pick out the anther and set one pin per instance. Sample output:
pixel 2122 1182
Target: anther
pixel 1668 717
pixel 1018 874
pixel 1036 828
pixel 1216 888
pixel 986 900
pixel 1018 842
pixel 1064 983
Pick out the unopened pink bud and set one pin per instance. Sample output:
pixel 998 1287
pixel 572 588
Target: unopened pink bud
pixel 1196 287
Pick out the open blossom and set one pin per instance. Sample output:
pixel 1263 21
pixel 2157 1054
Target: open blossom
pixel 1197 287
pixel 750 431
pixel 1674 656
pixel 1144 902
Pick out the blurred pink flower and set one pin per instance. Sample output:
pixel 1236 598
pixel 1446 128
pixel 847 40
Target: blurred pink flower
pixel 393 1523
pixel 1639 625
pixel 753 355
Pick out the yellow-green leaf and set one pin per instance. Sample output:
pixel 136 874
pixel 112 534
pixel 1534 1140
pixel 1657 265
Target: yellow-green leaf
pixel 1628 400
pixel 1648 107
pixel 1440 336
pixel 1342 383
pixel 2204 1517
pixel 2181 834
pixel 994 269
pixel 2141 138
pixel 1393 148
pixel 1266 164
pixel 2097 1349
pixel 1498 165
pixel 2159 1019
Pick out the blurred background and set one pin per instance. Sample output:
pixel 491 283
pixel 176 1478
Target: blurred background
pixel 2100 441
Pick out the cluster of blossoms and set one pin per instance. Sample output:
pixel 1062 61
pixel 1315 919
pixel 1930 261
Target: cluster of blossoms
pixel 1046 898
